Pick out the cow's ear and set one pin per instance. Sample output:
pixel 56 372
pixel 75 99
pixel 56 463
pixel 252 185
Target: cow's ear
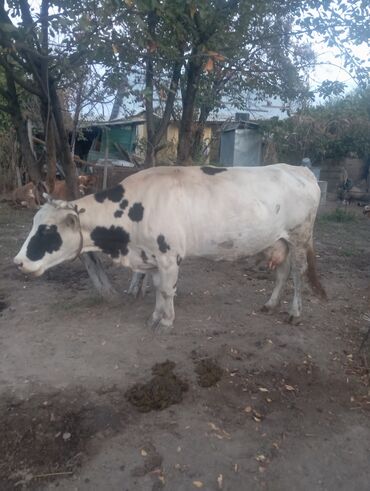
pixel 71 221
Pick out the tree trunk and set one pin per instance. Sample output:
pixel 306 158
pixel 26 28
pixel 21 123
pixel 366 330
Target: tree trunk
pixel 76 116
pixel 20 125
pixel 192 84
pixel 98 276
pixel 149 110
pixel 171 96
pixel 51 156
pixel 67 162
pixel 199 133
pixel 92 262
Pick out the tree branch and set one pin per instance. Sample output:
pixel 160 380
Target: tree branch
pixel 20 81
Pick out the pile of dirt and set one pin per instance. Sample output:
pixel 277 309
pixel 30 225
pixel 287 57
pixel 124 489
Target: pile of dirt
pixel 163 389
pixel 208 371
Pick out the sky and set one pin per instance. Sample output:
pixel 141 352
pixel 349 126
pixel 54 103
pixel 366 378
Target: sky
pixel 329 66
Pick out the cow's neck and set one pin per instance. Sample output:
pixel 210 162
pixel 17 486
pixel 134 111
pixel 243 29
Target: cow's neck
pixel 95 215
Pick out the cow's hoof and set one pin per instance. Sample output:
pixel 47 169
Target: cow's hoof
pixel 159 324
pixel 268 309
pixel 294 320
pixel 153 323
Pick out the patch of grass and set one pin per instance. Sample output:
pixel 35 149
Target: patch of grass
pixel 348 253
pixel 338 216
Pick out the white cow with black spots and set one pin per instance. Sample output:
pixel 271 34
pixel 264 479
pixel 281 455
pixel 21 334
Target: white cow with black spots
pixel 155 218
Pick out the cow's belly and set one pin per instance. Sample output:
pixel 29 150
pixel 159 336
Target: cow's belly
pixel 233 247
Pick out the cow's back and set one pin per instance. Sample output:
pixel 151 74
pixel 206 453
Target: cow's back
pixel 225 213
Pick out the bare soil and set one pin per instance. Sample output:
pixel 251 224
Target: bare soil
pixel 234 399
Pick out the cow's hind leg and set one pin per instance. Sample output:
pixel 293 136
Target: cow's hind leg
pixel 165 282
pixel 299 266
pixel 282 274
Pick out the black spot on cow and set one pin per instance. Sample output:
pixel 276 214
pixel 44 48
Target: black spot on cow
pixel 162 244
pixel 144 257
pixel 113 194
pixel 123 204
pixel 277 209
pixel 136 212
pixel 211 171
pixel 46 239
pixel 178 259
pixel 118 213
pixel 112 241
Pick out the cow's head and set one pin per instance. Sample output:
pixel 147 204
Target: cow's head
pixel 55 237
pixel 366 210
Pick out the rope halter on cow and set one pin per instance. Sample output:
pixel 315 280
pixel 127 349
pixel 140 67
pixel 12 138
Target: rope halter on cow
pixel 69 206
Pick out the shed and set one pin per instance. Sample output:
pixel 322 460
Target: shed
pixel 241 144
pixel 115 139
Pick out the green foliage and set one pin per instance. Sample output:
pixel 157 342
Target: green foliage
pixel 338 129
pixel 338 216
pixel 341 24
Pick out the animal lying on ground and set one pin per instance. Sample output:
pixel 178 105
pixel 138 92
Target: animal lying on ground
pixel 31 197
pixel 85 184
pixel 157 217
pixel 27 195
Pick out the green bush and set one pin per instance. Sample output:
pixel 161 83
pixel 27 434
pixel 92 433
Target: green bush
pixel 339 216
pixel 340 128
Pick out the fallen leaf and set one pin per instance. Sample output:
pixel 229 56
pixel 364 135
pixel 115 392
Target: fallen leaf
pixel 143 452
pixel 219 432
pixel 248 409
pixel 263 389
pixel 198 484
pixel 220 481
pixel 289 387
pixel 260 458
pixel 209 65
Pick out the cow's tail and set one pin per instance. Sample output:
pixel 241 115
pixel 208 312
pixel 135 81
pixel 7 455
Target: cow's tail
pixel 313 278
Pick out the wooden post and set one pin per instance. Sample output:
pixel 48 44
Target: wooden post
pixel 105 175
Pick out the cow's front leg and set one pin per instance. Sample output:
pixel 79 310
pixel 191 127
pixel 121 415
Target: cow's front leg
pixel 165 282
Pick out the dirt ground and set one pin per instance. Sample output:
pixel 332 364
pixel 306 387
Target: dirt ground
pixel 230 399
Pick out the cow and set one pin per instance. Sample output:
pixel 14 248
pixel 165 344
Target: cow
pixel 27 196
pixel 85 185
pixel 155 218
